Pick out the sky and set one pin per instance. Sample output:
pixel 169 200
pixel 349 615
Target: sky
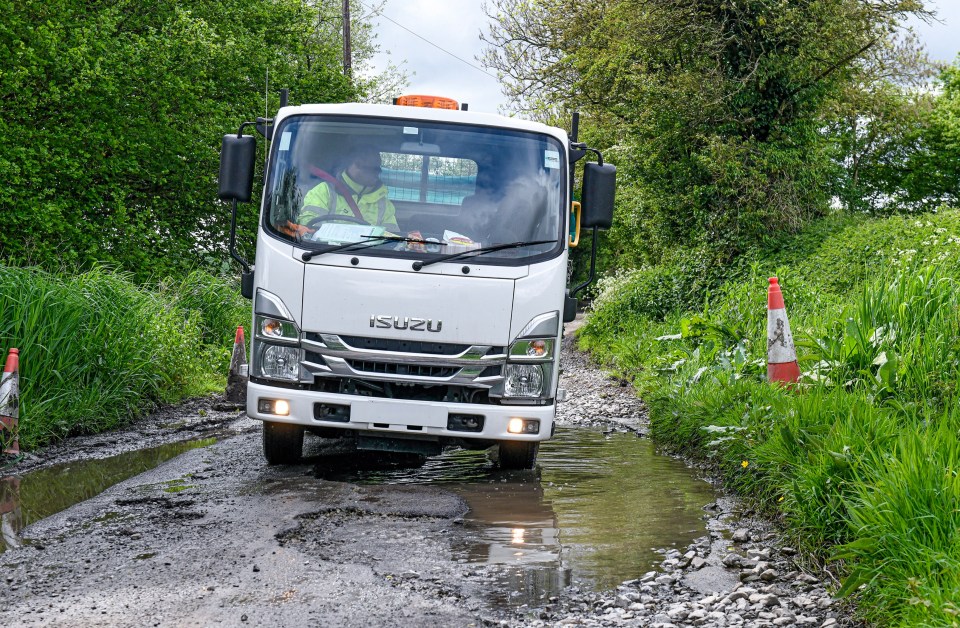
pixel 455 25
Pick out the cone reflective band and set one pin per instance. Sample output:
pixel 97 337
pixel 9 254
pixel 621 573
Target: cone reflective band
pixel 10 403
pixel 781 354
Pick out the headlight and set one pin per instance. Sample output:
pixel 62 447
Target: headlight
pixel 279 362
pixel 523 380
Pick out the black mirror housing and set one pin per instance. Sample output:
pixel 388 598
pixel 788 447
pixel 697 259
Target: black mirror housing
pixel 570 305
pixel 237 157
pixel 246 284
pixel 599 185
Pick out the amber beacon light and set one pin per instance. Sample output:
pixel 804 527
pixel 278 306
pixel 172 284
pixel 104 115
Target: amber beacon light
pixel 434 102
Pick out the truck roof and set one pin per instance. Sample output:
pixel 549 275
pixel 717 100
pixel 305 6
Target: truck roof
pixel 425 113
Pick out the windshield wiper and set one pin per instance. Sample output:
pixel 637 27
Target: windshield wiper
pixel 472 252
pixel 370 241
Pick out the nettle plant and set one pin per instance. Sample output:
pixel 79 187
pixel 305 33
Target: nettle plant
pixel 709 346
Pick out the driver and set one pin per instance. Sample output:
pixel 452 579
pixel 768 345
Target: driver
pixel 357 192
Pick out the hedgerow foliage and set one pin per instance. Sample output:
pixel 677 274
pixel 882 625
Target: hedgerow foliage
pixel 113 113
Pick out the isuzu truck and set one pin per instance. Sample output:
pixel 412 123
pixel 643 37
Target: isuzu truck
pixel 424 307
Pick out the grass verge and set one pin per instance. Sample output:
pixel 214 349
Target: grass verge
pixel 861 462
pixel 97 350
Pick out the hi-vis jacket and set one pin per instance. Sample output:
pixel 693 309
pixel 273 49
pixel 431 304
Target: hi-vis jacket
pixel 373 203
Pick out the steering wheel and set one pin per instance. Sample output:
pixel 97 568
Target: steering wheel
pixel 328 217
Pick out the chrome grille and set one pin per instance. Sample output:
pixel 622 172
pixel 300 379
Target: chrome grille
pixel 402 361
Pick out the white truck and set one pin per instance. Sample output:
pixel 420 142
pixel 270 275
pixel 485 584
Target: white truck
pixel 436 323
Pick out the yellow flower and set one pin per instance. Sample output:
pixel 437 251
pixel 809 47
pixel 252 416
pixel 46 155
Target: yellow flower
pixel 744 464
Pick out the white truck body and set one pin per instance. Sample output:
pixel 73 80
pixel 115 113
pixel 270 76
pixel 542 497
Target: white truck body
pixel 367 331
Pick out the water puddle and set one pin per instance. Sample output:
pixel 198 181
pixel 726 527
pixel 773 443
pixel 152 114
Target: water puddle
pixel 25 500
pixel 593 514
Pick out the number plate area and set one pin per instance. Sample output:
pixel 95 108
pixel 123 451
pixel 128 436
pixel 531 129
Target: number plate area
pixel 398 415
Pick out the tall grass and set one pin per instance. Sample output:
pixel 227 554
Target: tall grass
pixel 861 462
pixel 96 350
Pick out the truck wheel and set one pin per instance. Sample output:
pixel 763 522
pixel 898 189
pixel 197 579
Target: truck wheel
pixel 282 442
pixel 518 455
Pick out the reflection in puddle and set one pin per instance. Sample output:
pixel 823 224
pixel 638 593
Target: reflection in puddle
pixel 591 514
pixel 48 491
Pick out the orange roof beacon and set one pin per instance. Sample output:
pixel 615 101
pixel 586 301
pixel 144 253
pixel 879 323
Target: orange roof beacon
pixel 434 102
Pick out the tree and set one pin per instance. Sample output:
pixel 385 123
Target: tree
pixel 930 176
pixel 374 87
pixel 876 122
pixel 113 114
pixel 717 106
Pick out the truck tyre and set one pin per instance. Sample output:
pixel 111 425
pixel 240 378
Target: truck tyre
pixel 517 455
pixel 282 442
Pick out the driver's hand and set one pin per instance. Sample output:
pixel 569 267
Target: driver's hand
pixel 299 231
pixel 415 246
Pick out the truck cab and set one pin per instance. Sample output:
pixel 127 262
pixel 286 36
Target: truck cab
pixel 410 281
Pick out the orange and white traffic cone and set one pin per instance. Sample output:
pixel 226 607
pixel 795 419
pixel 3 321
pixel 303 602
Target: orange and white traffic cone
pixel 10 403
pixel 781 354
pixel 237 378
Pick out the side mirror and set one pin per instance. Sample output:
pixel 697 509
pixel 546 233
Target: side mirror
pixel 599 184
pixel 237 157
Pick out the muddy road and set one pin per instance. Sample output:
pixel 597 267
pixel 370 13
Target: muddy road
pixel 202 532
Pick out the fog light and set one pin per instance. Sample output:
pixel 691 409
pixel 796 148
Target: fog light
pixel 523 426
pixel 465 423
pixel 280 407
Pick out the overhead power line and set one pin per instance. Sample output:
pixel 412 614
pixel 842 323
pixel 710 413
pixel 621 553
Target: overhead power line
pixel 440 48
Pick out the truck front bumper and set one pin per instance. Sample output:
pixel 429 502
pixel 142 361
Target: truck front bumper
pixel 393 417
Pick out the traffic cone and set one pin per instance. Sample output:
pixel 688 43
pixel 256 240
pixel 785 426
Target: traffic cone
pixel 10 403
pixel 781 354
pixel 237 378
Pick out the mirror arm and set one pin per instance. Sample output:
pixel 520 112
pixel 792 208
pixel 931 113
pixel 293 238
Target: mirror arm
pixel 593 266
pixel 233 239
pixel 579 149
pixel 243 126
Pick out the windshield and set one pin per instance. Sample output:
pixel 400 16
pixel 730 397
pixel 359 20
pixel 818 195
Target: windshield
pixel 429 188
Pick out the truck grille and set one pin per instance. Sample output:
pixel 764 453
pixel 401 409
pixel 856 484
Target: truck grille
pixel 404 346
pixel 417 370
pixel 401 361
